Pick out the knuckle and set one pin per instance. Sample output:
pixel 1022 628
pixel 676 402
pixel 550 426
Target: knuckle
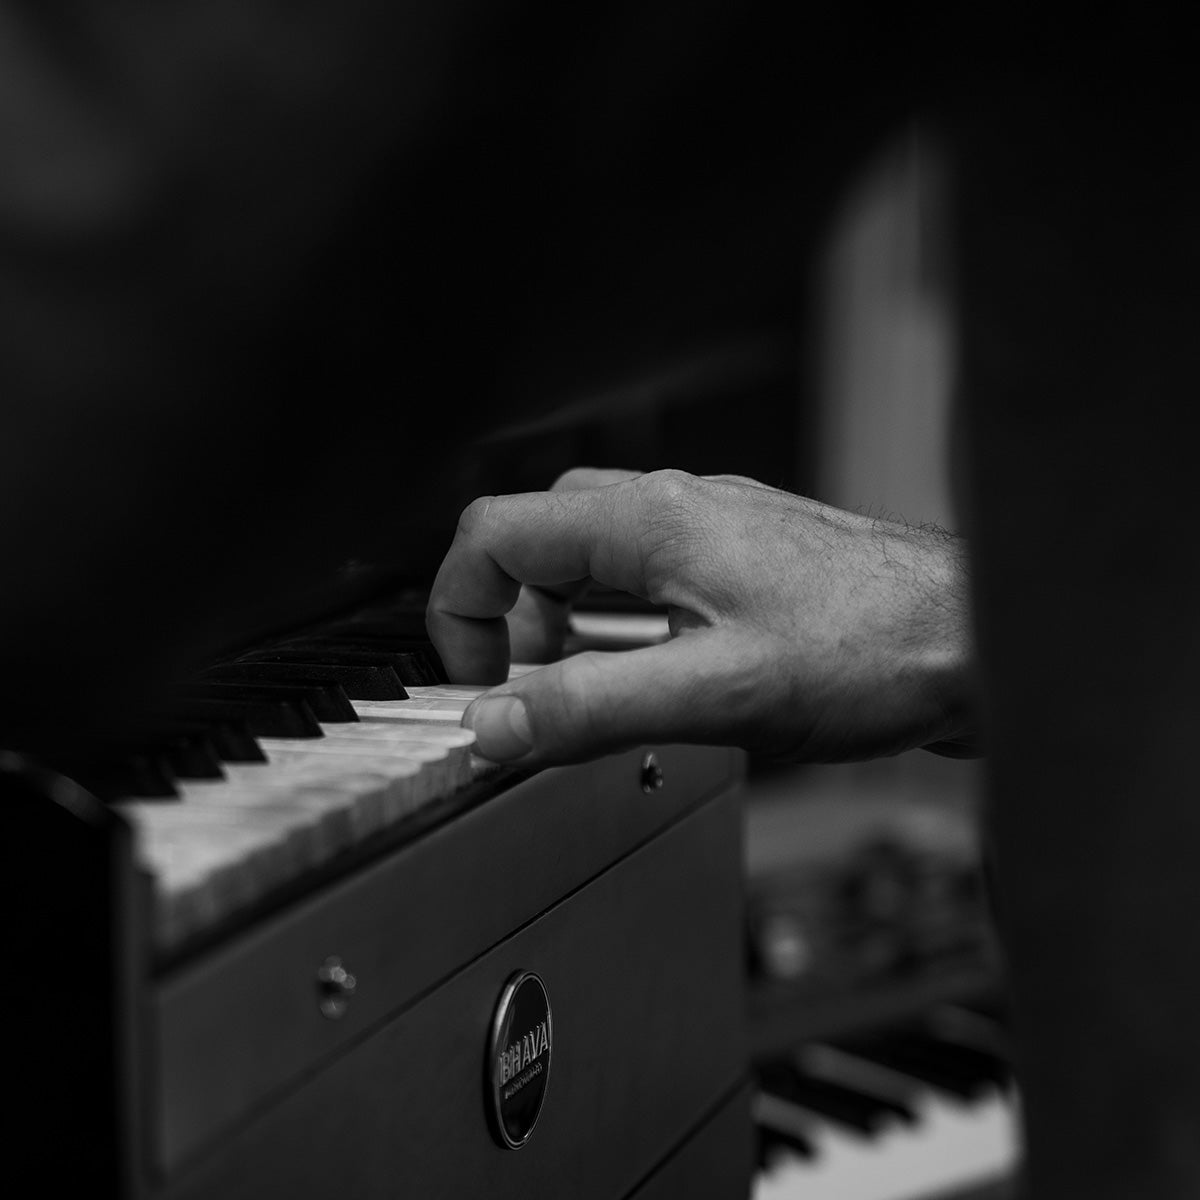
pixel 668 488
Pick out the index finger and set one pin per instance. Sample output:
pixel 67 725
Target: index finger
pixel 548 539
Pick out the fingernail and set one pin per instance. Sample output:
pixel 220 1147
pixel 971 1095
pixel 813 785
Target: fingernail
pixel 501 727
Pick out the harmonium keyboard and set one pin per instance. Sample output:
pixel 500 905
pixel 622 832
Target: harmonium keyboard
pixel 879 1023
pixel 920 1107
pixel 289 935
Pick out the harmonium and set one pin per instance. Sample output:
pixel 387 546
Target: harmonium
pixel 291 936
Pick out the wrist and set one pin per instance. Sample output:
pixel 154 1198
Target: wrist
pixel 950 663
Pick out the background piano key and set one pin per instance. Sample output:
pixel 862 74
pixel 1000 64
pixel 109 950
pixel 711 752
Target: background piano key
pixel 877 1019
pixel 951 1148
pixel 414 661
pixel 444 704
pixel 945 1144
pixel 326 698
pixel 361 681
pixel 263 717
pixel 344 808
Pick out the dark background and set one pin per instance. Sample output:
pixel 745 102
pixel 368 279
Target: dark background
pixel 283 289
pixel 268 274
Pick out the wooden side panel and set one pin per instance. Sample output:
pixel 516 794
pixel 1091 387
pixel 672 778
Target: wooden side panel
pixel 644 972
pixel 73 907
pixel 715 1163
pixel 243 1022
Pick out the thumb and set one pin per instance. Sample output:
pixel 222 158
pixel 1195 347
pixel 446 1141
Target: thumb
pixel 602 701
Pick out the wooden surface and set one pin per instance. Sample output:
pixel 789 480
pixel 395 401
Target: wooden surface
pixel 644 974
pixel 242 1022
pixel 714 1163
pixel 73 906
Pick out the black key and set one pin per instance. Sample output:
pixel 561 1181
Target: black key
pixel 145 775
pixel 328 701
pixel 841 1105
pixel 772 1136
pixel 416 663
pixel 986 1064
pixel 358 682
pixel 780 1124
pixel 894 1101
pixel 764 1148
pixel 263 718
pixel 230 738
pixel 191 756
pixel 995 1007
pixel 187 750
pixel 948 1069
pixel 958 1025
pixel 376 668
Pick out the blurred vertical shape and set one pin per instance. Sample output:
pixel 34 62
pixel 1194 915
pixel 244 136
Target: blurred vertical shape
pixel 1079 256
pixel 884 337
pixel 882 350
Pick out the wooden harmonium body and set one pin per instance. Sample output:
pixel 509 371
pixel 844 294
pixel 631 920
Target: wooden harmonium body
pixel 529 986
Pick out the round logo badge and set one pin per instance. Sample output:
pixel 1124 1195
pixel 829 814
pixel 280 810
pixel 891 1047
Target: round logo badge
pixel 518 1064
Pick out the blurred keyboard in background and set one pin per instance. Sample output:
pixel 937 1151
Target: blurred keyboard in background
pixel 924 1108
pixel 876 1001
pixel 864 891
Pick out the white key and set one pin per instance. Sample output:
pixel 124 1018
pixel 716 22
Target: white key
pixel 421 771
pixel 443 703
pixel 371 790
pixel 281 838
pixel 952 1145
pixel 345 807
pixel 441 709
pixel 408 781
pixel 394 737
pixel 516 670
pixel 389 732
pixel 446 691
pixel 208 862
pixel 599 628
pixel 225 843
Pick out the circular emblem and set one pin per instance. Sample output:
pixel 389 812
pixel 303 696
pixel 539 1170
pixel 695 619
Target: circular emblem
pixel 518 1064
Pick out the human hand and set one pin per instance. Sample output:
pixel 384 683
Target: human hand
pixel 797 630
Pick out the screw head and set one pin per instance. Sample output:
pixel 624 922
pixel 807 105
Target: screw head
pixel 651 773
pixel 335 987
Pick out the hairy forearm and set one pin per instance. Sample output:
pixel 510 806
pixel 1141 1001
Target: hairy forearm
pixel 799 631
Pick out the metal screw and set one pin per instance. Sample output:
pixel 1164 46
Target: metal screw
pixel 652 774
pixel 335 986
